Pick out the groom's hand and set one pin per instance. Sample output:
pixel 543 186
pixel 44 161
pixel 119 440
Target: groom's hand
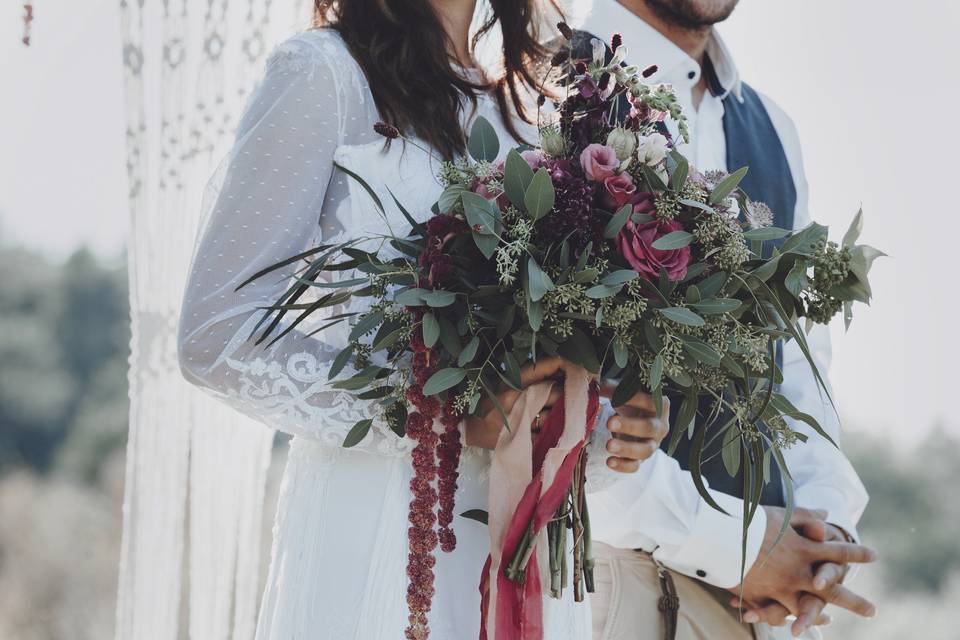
pixel 828 575
pixel 637 430
pixel 784 577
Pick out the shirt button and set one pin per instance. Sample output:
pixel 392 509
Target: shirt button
pixel 692 75
pixel 701 573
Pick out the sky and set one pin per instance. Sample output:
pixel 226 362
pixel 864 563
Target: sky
pixel 870 86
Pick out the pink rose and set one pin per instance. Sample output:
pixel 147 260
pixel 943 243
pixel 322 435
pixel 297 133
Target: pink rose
pixel 599 161
pixel 484 190
pixel 534 158
pixel 620 190
pixel 635 243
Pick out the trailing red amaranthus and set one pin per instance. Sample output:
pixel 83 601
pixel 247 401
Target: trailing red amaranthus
pixel 27 22
pixel 431 447
pixel 448 452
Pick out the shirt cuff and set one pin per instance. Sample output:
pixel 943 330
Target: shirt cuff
pixel 831 501
pixel 711 551
pixel 599 474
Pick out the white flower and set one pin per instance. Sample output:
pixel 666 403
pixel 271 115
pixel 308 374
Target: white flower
pixel 623 142
pixel 599 51
pixel 619 55
pixel 651 149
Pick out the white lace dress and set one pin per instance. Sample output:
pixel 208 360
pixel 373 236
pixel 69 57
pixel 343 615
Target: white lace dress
pixel 340 543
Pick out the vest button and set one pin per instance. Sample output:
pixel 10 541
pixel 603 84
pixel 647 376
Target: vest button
pixel 701 573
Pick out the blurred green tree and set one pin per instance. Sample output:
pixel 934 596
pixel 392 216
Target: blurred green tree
pixel 64 335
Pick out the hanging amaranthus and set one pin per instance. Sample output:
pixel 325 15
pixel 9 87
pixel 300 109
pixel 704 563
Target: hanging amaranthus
pixel 27 22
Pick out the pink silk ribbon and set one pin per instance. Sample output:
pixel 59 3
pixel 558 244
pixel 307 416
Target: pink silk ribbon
pixel 528 482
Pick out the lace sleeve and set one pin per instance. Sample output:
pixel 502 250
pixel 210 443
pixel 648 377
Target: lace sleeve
pixel 276 195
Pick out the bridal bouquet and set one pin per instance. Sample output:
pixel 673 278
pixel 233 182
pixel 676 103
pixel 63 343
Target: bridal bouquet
pixel 601 245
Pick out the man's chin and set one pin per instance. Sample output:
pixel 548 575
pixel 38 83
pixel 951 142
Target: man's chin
pixel 693 14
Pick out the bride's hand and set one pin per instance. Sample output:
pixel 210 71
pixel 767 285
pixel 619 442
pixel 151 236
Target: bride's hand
pixel 483 430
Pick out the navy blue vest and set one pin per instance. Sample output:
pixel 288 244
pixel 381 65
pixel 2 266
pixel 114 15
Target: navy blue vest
pixel 752 141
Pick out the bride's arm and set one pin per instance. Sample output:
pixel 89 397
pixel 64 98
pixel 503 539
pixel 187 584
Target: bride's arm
pixel 274 199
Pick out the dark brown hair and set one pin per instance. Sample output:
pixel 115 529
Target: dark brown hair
pixel 404 51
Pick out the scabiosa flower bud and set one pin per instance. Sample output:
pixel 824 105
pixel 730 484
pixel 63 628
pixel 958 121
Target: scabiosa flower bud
pixel 565 30
pixel 581 67
pixel 615 42
pixel 623 142
pixel 649 71
pixel 552 142
pixel 387 130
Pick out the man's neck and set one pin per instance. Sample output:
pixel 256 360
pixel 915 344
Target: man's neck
pixel 692 41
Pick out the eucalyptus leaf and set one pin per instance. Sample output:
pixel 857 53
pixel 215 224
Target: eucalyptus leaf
pixel 856 226
pixel 482 215
pixel 540 195
pixel 619 277
pixel 679 177
pixel 628 387
pixel 357 433
pixel 682 315
pixel 726 186
pixel 483 143
pixel 713 306
pixel 443 380
pixel 578 348
pixel 535 315
pixel 620 353
pixel 764 234
pixel 617 221
pixel 673 240
pixel 340 361
pixel 450 197
pixel 487 244
pixel 796 280
pixel 701 351
pixel 439 298
pixel 431 329
pixel 603 291
pixel 366 324
pixel 656 372
pixel 411 297
pixel 469 352
pixel 478 515
pixel 517 175
pixel 696 204
pixel 539 282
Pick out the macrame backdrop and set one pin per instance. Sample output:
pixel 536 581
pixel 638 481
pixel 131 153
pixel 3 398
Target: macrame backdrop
pixel 194 466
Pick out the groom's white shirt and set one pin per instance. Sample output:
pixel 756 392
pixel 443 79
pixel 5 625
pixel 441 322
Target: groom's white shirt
pixel 658 508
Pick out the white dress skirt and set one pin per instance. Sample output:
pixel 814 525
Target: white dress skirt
pixel 340 537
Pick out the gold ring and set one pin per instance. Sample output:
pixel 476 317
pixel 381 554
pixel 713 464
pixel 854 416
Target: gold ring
pixel 536 422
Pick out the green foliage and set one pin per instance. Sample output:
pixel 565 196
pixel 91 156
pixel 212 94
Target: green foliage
pixel 913 516
pixel 64 337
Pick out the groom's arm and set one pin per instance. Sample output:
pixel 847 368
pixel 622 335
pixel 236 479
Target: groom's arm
pixel 659 509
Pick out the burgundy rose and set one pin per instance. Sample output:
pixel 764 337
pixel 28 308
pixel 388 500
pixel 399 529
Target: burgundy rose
pixel 599 161
pixel 636 244
pixel 619 191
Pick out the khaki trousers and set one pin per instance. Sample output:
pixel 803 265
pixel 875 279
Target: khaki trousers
pixel 627 592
